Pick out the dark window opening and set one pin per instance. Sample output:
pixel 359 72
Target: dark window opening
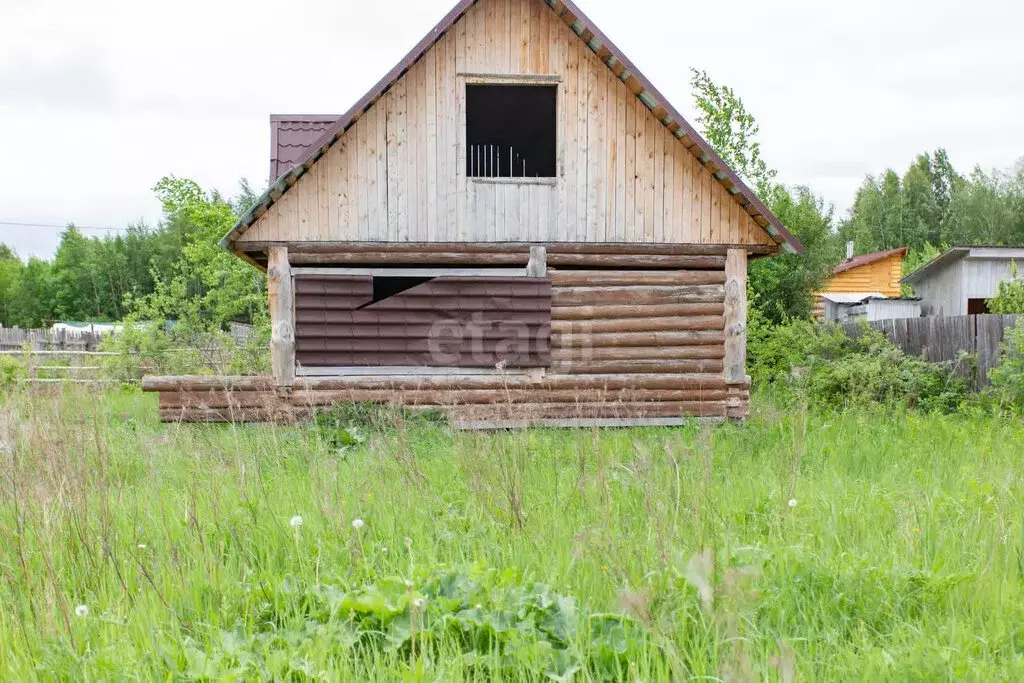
pixel 510 131
pixel 977 306
pixel 387 286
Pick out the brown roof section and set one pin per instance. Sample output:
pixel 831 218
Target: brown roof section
pixel 291 137
pixel 608 53
pixel 865 259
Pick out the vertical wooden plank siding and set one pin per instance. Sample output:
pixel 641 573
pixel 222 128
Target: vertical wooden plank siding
pixel 398 174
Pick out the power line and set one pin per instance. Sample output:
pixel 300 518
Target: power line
pixel 17 224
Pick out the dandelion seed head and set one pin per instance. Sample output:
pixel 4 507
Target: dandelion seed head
pixel 358 524
pixel 418 603
pixel 82 611
pixel 296 521
pixel 792 502
pixel 408 542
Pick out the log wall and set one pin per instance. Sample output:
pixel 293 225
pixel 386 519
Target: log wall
pixel 631 342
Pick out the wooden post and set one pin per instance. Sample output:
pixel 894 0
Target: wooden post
pixel 736 316
pixel 282 331
pixel 537 266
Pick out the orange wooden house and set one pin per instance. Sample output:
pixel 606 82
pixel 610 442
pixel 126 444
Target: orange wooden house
pixel 874 276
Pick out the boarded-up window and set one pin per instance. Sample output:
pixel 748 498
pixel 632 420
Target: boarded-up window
pixel 446 321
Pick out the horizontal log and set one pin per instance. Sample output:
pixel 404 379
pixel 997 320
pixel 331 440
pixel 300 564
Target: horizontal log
pixel 695 337
pixel 410 257
pixel 605 367
pixel 297 247
pixel 632 278
pixel 209 382
pixel 198 383
pixel 200 414
pixel 541 411
pixel 550 381
pixel 651 324
pixel 218 398
pixel 630 311
pixel 225 401
pixel 638 353
pixel 684 294
pixel 637 261
pixel 492 396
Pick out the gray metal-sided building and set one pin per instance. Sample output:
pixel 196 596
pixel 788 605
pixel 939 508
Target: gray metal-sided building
pixel 963 279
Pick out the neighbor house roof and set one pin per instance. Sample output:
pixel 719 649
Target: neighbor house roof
pixel 959 252
pixel 851 297
pixel 865 259
pixel 606 51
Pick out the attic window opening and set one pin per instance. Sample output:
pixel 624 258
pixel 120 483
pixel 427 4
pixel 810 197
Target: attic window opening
pixel 510 131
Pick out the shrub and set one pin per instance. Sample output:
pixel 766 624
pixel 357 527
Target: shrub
pixel 1009 298
pixel 824 366
pixel 1007 378
pixel 152 349
pixel 10 370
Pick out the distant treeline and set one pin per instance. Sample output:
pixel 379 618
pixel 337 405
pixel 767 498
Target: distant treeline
pixel 175 270
pixel 107 278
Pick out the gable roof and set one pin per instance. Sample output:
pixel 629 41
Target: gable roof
pixel 606 51
pixel 865 259
pixel 959 252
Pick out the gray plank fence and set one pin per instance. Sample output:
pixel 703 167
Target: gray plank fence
pixel 15 339
pixel 943 339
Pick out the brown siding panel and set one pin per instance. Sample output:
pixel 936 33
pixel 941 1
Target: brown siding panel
pixel 447 321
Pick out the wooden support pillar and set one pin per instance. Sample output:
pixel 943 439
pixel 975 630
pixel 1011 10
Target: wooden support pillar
pixel 537 266
pixel 736 316
pixel 282 316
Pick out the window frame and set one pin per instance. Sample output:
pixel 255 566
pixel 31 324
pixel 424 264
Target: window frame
pixel 467 78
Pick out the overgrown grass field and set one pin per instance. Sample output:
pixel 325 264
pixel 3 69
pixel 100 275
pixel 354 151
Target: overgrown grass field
pixel 840 546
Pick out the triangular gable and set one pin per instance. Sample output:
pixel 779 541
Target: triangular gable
pixel 607 53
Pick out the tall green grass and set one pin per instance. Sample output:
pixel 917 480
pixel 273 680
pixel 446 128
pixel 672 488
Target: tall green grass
pixel 836 546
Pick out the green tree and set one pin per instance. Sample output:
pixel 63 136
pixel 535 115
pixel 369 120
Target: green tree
pixel 206 288
pixel 11 268
pixel 782 286
pixel 31 296
pixel 731 130
pixel 1009 298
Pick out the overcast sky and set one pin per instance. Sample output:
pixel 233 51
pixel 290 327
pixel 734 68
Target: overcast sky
pixel 100 99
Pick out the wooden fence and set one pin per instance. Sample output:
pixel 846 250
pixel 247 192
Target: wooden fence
pixel 939 339
pixel 16 339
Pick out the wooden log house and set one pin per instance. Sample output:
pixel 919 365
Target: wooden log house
pixel 513 226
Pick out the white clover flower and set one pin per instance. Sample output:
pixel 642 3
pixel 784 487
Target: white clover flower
pixel 408 542
pixel 792 502
pixel 384 550
pixel 358 524
pixel 418 603
pixel 82 611
pixel 296 522
pixel 479 606
pixel 408 583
